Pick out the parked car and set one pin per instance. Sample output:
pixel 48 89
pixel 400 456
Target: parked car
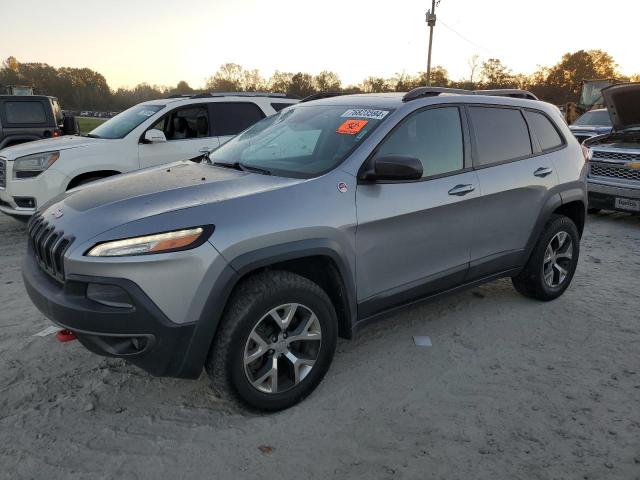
pixel 304 227
pixel 24 118
pixel 591 124
pixel 614 159
pixel 149 134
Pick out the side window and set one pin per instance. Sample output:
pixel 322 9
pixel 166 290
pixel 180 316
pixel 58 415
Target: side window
pixel 182 123
pixel 231 118
pixel 433 136
pixel 501 134
pixel 279 106
pixel 544 130
pixel 25 112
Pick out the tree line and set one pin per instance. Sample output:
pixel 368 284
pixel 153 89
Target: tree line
pixel 85 89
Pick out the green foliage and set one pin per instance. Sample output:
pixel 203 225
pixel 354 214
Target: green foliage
pixel 85 89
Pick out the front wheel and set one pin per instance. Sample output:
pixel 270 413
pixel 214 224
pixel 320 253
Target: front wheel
pixel 275 343
pixel 553 261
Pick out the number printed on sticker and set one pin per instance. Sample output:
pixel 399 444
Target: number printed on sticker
pixel 366 113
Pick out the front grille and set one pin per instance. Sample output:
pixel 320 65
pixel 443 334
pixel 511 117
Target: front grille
pixel 612 171
pixel 49 246
pixel 3 173
pixel 624 157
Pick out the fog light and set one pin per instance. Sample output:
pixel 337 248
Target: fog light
pixel 25 202
pixel 109 295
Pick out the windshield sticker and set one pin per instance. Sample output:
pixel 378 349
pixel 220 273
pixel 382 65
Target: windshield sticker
pixel 366 113
pixel 146 113
pixel 351 127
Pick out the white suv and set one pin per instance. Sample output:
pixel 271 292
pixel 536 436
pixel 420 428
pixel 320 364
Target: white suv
pixel 148 134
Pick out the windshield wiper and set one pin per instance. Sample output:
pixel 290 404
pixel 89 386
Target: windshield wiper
pixel 91 135
pixel 243 167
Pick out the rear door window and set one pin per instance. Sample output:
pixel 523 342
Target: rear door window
pixel 501 135
pixel 544 130
pixel 231 118
pixel 25 112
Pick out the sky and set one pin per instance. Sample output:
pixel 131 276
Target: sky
pixel 165 41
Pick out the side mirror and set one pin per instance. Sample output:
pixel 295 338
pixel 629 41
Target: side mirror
pixel 154 136
pixel 70 125
pixel 392 167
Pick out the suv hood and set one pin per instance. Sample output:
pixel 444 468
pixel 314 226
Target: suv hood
pixel 623 104
pixel 95 208
pixel 66 142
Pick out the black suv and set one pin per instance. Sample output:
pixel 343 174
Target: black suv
pixel 31 117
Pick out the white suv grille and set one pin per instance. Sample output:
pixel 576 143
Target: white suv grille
pixel 3 173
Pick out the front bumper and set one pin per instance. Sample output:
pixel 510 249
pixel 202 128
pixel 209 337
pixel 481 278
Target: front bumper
pixel 143 335
pixel 41 189
pixel 602 195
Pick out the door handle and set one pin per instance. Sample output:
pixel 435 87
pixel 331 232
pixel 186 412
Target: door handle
pixel 461 190
pixel 543 172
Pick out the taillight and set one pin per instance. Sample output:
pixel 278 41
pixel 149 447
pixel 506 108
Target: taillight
pixel 57 133
pixel 587 153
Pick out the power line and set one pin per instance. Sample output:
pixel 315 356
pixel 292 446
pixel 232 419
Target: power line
pixel 466 39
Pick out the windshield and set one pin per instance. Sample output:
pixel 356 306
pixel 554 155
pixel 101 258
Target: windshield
pixel 303 141
pixel 600 117
pixel 120 125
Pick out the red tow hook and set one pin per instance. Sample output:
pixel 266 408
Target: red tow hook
pixel 65 336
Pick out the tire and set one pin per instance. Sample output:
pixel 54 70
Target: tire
pixel 246 315
pixel 531 281
pixel 593 211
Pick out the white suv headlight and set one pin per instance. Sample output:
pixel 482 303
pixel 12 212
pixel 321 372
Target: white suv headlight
pixel 158 243
pixel 33 165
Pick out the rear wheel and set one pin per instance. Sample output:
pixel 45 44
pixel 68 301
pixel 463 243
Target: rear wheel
pixel 275 343
pixel 553 261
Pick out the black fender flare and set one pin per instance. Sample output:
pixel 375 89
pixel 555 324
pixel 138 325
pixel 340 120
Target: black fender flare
pixel 553 202
pixel 207 325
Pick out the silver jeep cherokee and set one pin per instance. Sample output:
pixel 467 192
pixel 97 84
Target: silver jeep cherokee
pixel 306 226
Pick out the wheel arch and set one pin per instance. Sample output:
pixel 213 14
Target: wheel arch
pixel 320 260
pixel 98 174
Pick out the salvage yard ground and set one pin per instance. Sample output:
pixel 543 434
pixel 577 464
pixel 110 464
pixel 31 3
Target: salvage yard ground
pixel 510 389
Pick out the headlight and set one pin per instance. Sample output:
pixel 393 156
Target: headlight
pixel 33 165
pixel 158 243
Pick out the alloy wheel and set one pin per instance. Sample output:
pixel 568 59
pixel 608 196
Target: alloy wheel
pixel 558 257
pixel 282 348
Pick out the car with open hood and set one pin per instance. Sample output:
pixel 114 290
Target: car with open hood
pixel 306 226
pixel 614 158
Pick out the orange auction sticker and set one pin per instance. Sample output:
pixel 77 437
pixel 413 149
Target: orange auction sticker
pixel 351 127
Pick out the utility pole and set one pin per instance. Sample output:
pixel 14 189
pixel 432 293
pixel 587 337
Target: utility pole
pixel 431 21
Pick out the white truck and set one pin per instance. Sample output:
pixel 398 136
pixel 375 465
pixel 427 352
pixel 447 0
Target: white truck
pixel 146 135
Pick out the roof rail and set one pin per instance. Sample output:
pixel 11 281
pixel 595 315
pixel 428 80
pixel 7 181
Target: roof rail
pixel 181 95
pixel 244 94
pixel 507 92
pixel 422 92
pixel 318 96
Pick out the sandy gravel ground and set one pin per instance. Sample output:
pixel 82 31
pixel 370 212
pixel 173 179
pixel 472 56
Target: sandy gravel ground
pixel 510 389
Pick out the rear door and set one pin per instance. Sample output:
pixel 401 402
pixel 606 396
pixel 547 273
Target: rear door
pixel 516 176
pixel 231 118
pixel 188 132
pixel 414 238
